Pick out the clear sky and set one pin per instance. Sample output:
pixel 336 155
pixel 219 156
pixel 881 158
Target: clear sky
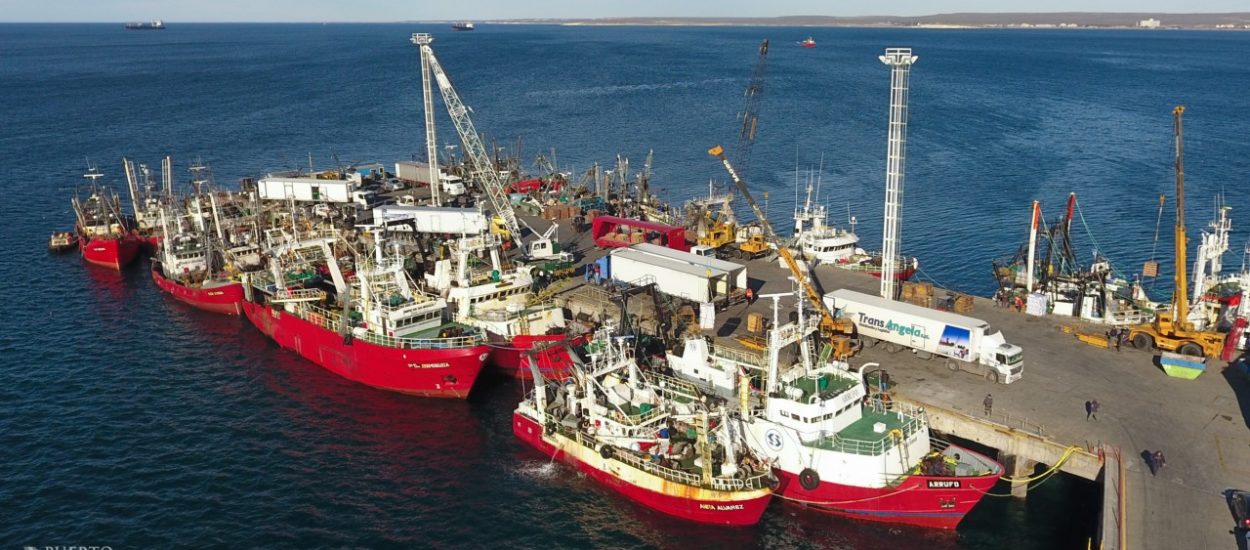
pixel 400 10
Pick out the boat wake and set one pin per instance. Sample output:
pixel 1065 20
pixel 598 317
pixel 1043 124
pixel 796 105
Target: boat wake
pixel 625 88
pixel 539 470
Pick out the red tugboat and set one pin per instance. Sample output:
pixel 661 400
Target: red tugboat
pixel 386 335
pixel 648 437
pixel 808 42
pixel 104 235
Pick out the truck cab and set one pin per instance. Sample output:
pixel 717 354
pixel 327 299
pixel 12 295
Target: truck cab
pixel 366 198
pixel 703 250
pixel 1005 363
pixel 453 185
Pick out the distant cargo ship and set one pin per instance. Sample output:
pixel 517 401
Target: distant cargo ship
pixel 156 25
pixel 462 26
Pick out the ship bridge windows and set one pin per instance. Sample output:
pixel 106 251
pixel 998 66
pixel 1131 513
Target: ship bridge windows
pixel 500 295
pixel 834 248
pixel 415 319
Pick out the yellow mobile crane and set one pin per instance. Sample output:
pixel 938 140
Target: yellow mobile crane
pixel 1171 330
pixel 838 331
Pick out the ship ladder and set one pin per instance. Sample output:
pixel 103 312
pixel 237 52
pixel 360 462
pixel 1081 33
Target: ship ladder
pixel 705 451
pixel 901 442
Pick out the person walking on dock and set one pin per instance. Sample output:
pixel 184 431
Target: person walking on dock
pixel 989 404
pixel 1091 410
pixel 1156 461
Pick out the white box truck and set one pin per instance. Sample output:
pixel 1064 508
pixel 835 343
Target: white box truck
pixel 966 343
pixel 419 173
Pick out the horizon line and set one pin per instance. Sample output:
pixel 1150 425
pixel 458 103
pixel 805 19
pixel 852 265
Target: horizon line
pixel 651 17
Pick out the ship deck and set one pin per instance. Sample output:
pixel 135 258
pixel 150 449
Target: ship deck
pixel 853 438
pixel 827 385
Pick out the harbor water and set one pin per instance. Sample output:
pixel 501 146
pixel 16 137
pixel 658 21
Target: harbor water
pixel 131 420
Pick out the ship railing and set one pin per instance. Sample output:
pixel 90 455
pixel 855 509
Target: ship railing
pixel 676 476
pixel 1131 316
pixel 405 306
pixel 501 314
pixel 757 481
pixel 737 356
pixel 321 317
pixel 877 446
pixel 451 342
pixel 671 384
pixel 901 262
pixel 636 419
pixel 749 483
pixel 298 295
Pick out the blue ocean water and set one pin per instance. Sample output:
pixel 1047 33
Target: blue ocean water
pixel 130 420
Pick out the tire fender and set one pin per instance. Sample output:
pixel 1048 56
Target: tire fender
pixel 809 479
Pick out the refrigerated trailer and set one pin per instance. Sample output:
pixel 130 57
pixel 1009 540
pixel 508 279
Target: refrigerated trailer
pixel 676 273
pixel 964 342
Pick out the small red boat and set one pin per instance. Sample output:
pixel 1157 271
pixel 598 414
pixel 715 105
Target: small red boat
pixel 808 42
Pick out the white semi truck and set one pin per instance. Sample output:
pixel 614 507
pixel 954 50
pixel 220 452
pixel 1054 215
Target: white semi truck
pixel 966 343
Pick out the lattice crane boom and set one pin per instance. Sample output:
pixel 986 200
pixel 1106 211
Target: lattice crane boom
pixel 750 112
pixel 480 165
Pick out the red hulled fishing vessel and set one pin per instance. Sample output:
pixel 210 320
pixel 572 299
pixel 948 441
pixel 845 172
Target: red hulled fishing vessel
pixel 104 234
pixel 647 437
pixel 380 333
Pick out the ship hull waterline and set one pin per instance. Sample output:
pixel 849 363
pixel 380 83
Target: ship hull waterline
pixel 113 253
pixel 511 357
pixel 226 299
pixel 443 373
pixel 924 501
pixel 744 510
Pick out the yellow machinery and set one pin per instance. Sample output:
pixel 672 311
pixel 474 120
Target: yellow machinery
pixel 754 247
pixel 1171 330
pixel 719 233
pixel 499 228
pixel 837 330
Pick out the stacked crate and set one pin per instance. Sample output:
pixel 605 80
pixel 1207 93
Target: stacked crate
pixel 560 212
pixel 963 303
pixel 920 294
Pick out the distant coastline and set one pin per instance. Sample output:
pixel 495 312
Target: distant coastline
pixel 1080 20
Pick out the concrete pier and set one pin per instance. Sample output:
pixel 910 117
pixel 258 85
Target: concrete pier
pixel 1200 425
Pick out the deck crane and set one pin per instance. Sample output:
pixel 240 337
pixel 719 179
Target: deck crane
pixel 481 167
pixel 836 330
pixel 1171 330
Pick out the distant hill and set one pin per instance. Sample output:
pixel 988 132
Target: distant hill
pixel 1239 20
